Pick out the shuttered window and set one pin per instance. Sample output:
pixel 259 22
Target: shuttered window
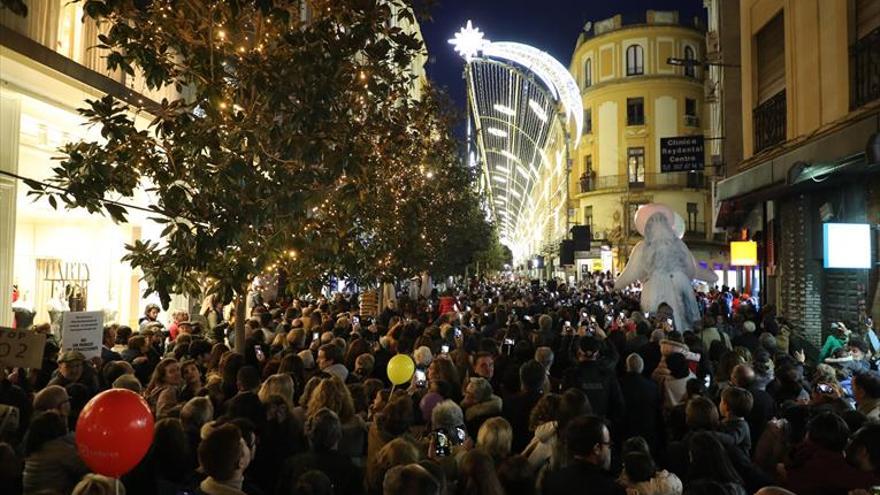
pixel 770 43
pixel 867 17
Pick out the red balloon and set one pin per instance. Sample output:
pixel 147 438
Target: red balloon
pixel 114 432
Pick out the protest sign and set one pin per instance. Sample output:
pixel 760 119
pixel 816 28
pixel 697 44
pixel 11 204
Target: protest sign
pixel 20 348
pixel 83 331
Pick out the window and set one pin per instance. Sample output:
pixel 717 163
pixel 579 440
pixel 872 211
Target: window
pixel 587 176
pixel 588 73
pixel 867 17
pixel 692 217
pixel 635 159
pixel 588 121
pixel 631 209
pixel 770 42
pixel 635 111
pixel 689 67
pixel 690 113
pixel 588 218
pixel 635 60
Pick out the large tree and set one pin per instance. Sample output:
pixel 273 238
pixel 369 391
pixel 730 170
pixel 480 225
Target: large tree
pixel 298 140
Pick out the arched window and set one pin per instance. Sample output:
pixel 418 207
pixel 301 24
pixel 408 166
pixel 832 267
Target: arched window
pixel 635 60
pixel 588 73
pixel 689 66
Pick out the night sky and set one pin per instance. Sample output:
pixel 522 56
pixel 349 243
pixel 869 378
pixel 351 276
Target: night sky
pixel 550 25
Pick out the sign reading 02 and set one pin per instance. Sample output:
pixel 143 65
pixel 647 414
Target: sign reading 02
pixel 682 154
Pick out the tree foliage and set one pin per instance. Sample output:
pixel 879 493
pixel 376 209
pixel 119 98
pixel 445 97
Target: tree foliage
pixel 298 144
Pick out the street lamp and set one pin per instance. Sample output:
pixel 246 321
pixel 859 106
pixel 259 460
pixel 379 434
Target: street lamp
pixel 691 62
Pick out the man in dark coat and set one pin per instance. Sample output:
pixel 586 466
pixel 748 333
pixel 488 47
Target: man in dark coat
pixel 324 432
pixel 594 374
pixel 642 398
pixel 518 407
pixel 763 406
pixel 589 446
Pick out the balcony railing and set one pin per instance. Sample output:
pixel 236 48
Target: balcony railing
pixel 695 180
pixel 695 228
pixel 866 69
pixel 769 122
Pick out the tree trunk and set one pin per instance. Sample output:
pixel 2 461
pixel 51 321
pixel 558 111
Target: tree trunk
pixel 240 317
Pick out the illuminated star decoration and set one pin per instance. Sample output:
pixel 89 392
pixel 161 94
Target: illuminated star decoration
pixel 468 41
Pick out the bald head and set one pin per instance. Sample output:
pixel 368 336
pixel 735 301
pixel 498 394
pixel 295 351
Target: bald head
pixel 52 398
pixel 742 376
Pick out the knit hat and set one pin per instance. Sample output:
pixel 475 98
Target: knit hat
pixel 749 326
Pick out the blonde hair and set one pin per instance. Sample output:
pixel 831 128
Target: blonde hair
pixel 495 437
pixel 334 395
pixel 278 384
pixel 98 484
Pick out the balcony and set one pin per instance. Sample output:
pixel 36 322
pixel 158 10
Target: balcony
pixel 768 120
pixel 695 229
pixel 671 180
pixel 866 70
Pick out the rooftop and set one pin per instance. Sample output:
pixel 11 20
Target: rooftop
pixel 649 18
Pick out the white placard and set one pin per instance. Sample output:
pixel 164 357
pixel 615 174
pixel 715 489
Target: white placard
pixel 83 331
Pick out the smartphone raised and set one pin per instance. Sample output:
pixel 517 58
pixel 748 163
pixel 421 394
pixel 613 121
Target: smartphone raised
pixel 442 447
pixel 444 349
pixel 258 349
pixel 421 378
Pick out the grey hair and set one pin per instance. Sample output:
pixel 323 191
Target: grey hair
pixel 482 388
pixel 423 356
pixel 635 363
pixel 447 414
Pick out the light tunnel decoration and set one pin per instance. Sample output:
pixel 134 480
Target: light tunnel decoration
pixel 514 91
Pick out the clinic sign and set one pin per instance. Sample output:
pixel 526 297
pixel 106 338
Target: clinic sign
pixel 682 154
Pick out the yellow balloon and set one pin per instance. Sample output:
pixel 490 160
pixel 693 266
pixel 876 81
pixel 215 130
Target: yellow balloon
pixel 401 369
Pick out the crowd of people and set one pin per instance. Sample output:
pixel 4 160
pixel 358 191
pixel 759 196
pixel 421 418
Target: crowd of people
pixel 519 388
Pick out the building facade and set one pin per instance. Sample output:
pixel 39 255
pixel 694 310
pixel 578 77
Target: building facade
pixel 632 99
pixel 56 259
pixel 810 106
pixel 53 259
